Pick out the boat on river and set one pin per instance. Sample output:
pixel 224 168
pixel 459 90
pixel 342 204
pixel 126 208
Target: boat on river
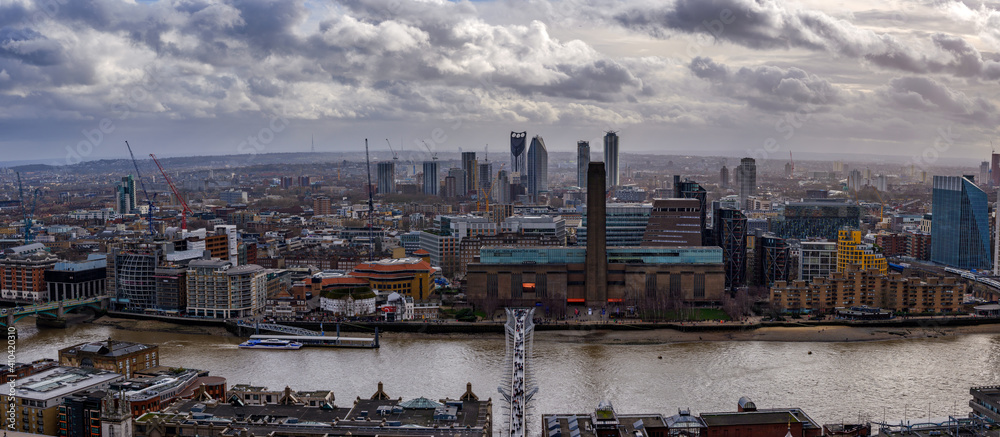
pixel 271 343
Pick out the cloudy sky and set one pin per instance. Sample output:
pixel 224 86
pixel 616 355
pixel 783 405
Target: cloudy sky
pixel 732 77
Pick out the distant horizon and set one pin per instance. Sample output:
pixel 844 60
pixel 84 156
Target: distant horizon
pixel 724 78
pixel 379 155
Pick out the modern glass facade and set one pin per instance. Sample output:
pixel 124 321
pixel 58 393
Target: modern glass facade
pixel 960 231
pixel 626 224
pixel 817 219
pixel 817 259
pixel 611 158
pixel 582 162
pixel 731 236
pixel 431 178
pixel 577 255
pixel 538 168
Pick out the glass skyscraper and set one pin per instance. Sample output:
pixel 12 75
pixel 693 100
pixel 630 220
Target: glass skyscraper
pixel 538 168
pixel 582 162
pixel 611 158
pixel 960 229
pixel 518 145
pixel 431 178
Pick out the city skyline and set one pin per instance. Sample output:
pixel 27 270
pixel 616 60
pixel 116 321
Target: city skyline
pixel 727 77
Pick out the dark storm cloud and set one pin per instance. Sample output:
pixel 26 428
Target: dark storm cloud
pixel 925 94
pixel 769 24
pixel 30 47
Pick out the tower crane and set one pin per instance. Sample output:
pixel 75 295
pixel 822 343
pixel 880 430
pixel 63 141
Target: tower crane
pixel 184 205
pixel 27 217
pixel 485 193
pixel 371 204
pixel 395 156
pixel 149 202
pixel 434 155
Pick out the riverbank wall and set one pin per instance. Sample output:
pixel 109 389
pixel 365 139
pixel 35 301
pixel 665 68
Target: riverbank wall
pixel 498 328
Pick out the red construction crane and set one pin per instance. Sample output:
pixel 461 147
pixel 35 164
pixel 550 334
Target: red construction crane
pixel 184 205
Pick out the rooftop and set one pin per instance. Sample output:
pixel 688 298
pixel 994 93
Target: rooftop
pixel 108 348
pixel 62 381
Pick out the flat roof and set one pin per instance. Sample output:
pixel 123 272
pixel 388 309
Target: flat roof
pixel 62 381
pixel 748 418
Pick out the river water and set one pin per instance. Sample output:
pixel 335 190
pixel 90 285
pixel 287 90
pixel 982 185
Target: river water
pixel 837 382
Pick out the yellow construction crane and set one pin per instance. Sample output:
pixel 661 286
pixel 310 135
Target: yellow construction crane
pixel 484 195
pixel 881 205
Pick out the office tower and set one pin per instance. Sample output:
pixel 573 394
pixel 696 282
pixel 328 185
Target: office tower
pixel 674 222
pixel 817 259
pixel 126 196
pixel 624 223
pixel 854 180
pixel 518 157
pixel 995 171
pixel 130 277
pixel 789 168
pixel 611 158
pixel 450 187
pixel 321 206
pixel 386 172
pixel 746 176
pixel 731 235
pixel 538 168
pixel 771 257
pixel 817 218
pixel 724 177
pixel 431 178
pixel 469 167
pixel 984 172
pixel 688 189
pixel 582 162
pixel 501 192
pixel 853 251
pixel 596 260
pixel 960 230
pixel 485 172
pixel 460 188
pixel 881 183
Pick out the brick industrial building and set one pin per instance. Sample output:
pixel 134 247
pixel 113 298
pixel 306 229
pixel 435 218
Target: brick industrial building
pixel 596 276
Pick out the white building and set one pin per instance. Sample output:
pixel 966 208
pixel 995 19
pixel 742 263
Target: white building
pixel 222 290
pixel 397 307
pixel 348 306
pixel 233 197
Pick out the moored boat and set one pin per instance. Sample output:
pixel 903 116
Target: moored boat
pixel 271 343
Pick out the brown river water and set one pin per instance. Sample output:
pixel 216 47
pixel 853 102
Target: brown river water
pixel 837 382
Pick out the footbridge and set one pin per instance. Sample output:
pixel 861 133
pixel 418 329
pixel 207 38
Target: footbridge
pixel 55 309
pixel 518 386
pixel 272 327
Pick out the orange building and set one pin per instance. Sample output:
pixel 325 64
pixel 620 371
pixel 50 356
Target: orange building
pixel 218 245
pixel 407 276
